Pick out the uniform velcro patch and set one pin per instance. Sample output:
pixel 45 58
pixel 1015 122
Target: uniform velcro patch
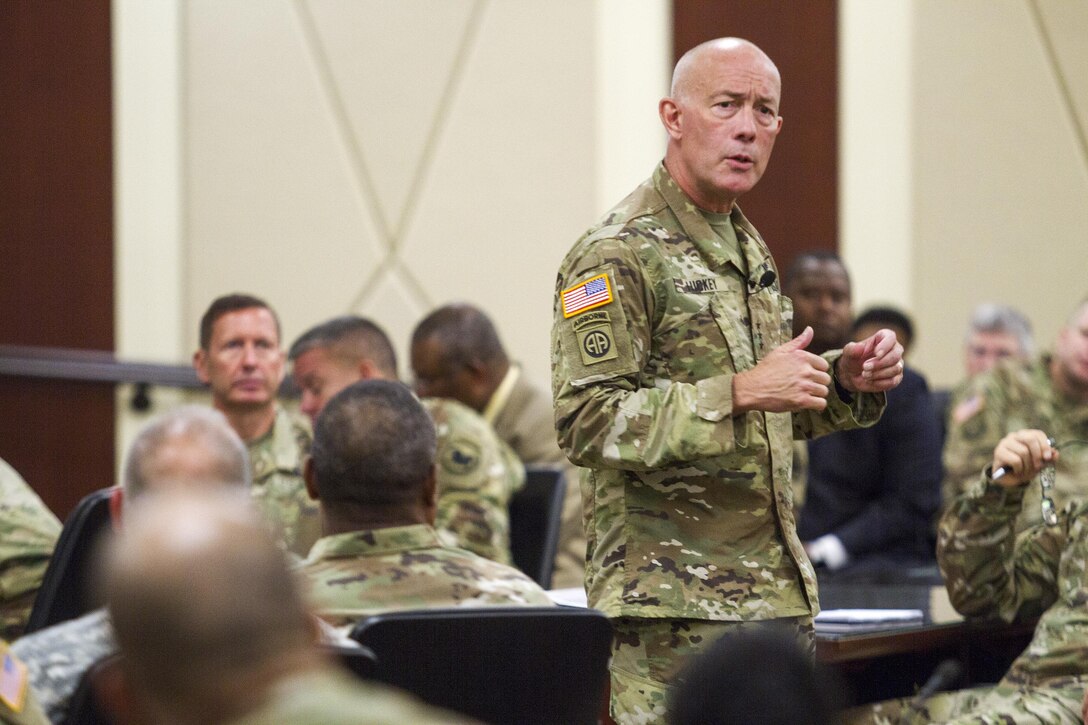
pixel 594 292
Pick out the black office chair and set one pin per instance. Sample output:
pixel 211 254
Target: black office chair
pixel 65 590
pixel 500 665
pixel 536 512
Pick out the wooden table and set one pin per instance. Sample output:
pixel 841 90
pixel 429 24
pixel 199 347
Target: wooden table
pixel 881 662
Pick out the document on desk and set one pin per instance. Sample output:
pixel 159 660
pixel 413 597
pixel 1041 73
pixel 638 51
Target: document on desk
pixel 848 620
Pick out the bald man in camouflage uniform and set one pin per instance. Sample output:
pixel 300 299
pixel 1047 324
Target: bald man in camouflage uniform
pixel 677 384
pixel 1049 393
pixel 991 572
pixel 28 533
pixel 372 470
pixel 477 473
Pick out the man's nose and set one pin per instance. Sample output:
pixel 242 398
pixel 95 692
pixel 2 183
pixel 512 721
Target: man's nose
pixel 249 356
pixel 746 123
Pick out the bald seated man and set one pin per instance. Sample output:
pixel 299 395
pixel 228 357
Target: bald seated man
pixel 477 473
pixel 213 630
pixel 456 353
pixel 371 469
pixel 191 448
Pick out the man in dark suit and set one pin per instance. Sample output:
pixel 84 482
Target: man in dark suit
pixel 870 494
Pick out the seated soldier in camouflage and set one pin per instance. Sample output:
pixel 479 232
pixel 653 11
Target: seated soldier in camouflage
pixel 372 469
pixel 477 473
pixel 28 533
pixel 990 571
pixel 242 363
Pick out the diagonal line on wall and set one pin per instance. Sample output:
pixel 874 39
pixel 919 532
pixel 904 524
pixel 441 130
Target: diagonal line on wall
pixel 426 159
pixel 391 234
pixel 365 185
pixel 1059 77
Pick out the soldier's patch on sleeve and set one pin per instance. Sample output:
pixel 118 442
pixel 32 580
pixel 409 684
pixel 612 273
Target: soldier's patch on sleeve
pixel 13 682
pixel 968 408
pixel 596 342
pixel 460 456
pixel 587 295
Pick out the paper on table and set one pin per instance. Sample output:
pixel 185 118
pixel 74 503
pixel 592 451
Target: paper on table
pixel 868 616
pixel 573 597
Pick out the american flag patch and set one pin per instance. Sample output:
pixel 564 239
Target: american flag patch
pixel 594 292
pixel 13 679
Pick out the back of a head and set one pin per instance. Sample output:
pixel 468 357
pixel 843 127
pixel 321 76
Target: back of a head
pixel 884 316
pixel 187 447
pixel 200 598
pixel 351 339
pixel 374 445
pixel 753 676
pixel 463 332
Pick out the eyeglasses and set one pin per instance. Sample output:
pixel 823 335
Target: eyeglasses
pixel 1046 482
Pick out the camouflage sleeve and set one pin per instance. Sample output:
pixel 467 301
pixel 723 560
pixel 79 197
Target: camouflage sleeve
pixel 28 533
pixel 988 570
pixel 606 414
pixel 476 475
pixel 859 410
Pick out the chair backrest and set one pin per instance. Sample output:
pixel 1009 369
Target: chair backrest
pixel 535 515
pixel 497 664
pixel 65 590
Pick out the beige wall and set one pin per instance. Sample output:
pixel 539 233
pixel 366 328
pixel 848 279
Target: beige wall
pixel 382 158
pixel 975 186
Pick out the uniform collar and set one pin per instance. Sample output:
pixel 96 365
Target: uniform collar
pixel 698 229
pixel 370 542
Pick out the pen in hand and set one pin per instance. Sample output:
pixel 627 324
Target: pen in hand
pixel 1006 469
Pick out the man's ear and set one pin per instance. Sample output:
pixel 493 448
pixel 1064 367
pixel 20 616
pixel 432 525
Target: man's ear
pixel 670 117
pixel 429 498
pixel 117 499
pixel 200 364
pixel 310 478
pixel 368 370
pixel 115 693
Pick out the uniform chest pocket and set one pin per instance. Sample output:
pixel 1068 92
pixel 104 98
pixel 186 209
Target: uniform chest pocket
pixel 730 313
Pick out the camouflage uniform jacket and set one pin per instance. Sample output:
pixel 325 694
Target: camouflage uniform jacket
pixel 276 462
pixel 990 571
pixel 1011 396
pixel 523 417
pixel 690 507
pixel 329 696
pixel 56 658
pixel 28 533
pixel 406 567
pixel 476 476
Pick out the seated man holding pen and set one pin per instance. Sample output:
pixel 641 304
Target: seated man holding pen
pixel 992 572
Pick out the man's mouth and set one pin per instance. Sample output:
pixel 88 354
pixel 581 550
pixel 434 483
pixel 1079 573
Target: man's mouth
pixel 740 160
